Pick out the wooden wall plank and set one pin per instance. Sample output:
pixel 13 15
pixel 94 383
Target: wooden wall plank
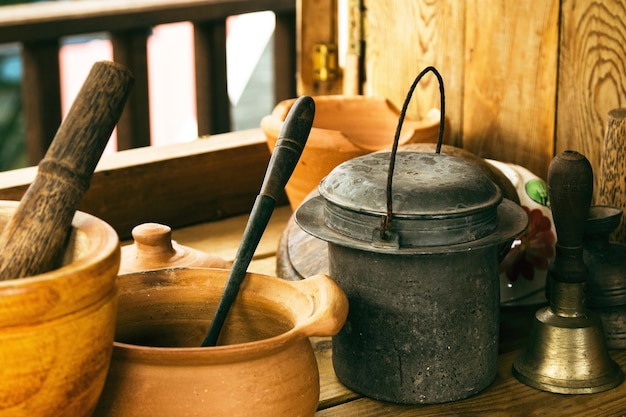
pixel 401 39
pixel 53 19
pixel 315 23
pixel 352 12
pixel 510 81
pixel 592 75
pixel 177 185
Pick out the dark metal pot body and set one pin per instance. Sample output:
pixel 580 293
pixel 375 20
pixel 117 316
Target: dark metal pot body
pixel 426 333
pixel 606 282
pixel 423 316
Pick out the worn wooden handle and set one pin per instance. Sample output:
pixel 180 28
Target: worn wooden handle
pixel 287 151
pixel 34 239
pixel 289 146
pixel 570 187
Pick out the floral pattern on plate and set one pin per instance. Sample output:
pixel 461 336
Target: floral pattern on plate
pixel 524 269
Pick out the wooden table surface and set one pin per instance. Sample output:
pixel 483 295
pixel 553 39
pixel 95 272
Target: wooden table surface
pixel 504 397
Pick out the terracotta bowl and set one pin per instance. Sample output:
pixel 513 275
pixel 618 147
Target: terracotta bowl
pixel 56 328
pixel 344 127
pixel 263 366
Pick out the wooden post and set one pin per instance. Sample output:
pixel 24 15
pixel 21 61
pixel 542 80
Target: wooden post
pixel 41 94
pixel 284 56
pixel 212 102
pixel 316 25
pixel 130 50
pixel 612 176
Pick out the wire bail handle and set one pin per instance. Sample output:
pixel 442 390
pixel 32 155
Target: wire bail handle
pixel 385 221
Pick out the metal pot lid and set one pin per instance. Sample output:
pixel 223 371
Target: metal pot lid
pixel 439 201
pixel 424 185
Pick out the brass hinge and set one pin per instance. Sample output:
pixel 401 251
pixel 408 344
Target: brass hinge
pixel 325 62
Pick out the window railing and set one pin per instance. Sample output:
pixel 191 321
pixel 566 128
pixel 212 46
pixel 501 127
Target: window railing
pixel 39 28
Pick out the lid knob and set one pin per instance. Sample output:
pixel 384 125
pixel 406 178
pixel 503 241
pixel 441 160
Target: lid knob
pixel 154 249
pixel 153 238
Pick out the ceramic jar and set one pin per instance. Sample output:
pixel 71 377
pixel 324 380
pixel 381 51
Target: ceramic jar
pixel 56 328
pixel 263 365
pixel 344 127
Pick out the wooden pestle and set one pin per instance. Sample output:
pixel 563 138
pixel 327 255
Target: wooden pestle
pixel 34 239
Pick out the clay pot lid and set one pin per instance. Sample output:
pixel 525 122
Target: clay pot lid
pixel 438 201
pixel 154 248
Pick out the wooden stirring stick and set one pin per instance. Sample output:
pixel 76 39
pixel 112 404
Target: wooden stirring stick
pixel 34 239
pixel 287 151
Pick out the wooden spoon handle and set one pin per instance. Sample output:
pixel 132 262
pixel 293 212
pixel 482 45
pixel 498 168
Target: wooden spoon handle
pixel 34 239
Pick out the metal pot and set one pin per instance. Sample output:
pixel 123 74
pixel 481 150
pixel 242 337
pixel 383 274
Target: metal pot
pixel 421 279
pixel 606 281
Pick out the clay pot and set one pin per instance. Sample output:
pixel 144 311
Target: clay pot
pixel 263 365
pixel 344 127
pixel 56 328
pixel 153 248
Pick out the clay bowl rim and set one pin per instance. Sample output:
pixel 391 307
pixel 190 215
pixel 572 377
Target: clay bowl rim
pixel 222 353
pixel 271 124
pixel 99 249
pixel 103 244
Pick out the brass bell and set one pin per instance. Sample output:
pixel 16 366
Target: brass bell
pixel 567 352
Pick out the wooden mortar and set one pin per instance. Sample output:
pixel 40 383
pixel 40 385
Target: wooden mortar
pixel 57 328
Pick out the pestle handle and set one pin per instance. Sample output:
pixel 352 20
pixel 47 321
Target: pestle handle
pixel 34 239
pixel 570 188
pixel 287 151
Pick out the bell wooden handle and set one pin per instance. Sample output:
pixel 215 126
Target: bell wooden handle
pixel 287 151
pixel 34 239
pixel 570 188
